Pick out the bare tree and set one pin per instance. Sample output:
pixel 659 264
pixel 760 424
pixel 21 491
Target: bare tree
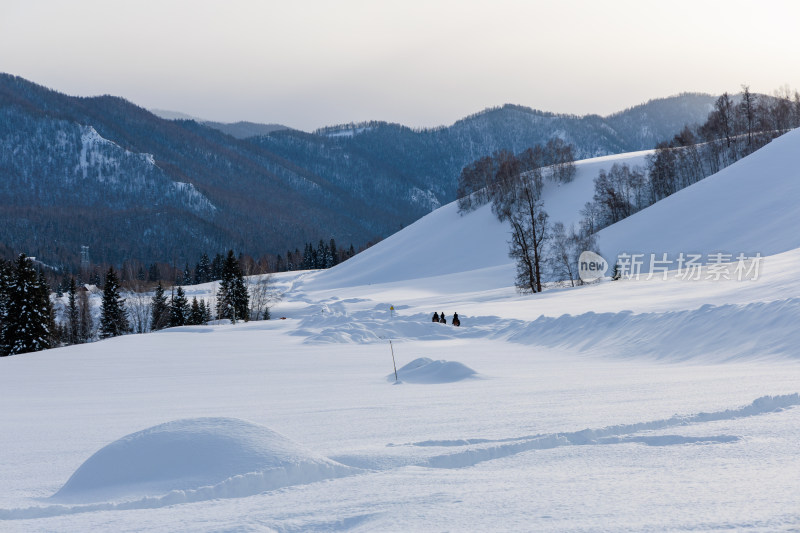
pixel 139 306
pixel 529 233
pixel 262 296
pixel 260 287
pixel 565 250
pixel 86 331
pixel 747 112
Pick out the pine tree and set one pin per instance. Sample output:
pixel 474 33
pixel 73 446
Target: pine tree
pixel 334 254
pixel 43 302
pixel 216 267
pixel 73 318
pixel 197 313
pixel 5 295
pixel 159 310
pixel 187 275
pixel 322 254
pixel 232 297
pixel 153 273
pixel 202 272
pixel 26 327
pixel 113 317
pixel 308 257
pixel 179 309
pixel 207 314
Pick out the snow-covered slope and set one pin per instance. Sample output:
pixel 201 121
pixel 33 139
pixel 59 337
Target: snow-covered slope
pixel 444 243
pixel 634 405
pixel 752 206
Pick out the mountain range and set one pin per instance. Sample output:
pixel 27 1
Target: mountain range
pixel 104 172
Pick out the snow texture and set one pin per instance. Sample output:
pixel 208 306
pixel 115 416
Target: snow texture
pixel 632 405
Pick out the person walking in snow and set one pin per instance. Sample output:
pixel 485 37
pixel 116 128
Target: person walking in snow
pixel 442 319
pixel 456 321
pixel 435 317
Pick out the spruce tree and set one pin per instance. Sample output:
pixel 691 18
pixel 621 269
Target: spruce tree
pixel 43 302
pixel 159 310
pixel 197 314
pixel 113 317
pixel 308 257
pixel 334 254
pixel 232 297
pixel 322 255
pixel 153 273
pixel 73 318
pixel 26 327
pixel 206 309
pixel 5 295
pixel 179 309
pixel 202 272
pixel 216 267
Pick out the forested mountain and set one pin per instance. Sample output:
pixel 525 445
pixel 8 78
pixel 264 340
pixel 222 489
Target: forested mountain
pixel 106 173
pixel 436 156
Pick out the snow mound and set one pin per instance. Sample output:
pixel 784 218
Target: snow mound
pixel 427 371
pixel 196 459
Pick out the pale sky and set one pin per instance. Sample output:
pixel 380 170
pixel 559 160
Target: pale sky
pixel 308 64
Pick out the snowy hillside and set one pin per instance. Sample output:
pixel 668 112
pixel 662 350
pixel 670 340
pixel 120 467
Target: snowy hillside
pixel 444 243
pixel 752 206
pixel 632 405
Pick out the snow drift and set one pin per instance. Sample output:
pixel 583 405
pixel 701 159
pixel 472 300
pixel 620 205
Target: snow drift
pixel 427 371
pixel 193 459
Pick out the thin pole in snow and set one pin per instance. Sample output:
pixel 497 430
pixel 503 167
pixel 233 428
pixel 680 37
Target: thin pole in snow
pixel 393 362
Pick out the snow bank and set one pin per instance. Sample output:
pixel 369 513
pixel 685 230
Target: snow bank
pixel 724 332
pixel 427 371
pixel 195 459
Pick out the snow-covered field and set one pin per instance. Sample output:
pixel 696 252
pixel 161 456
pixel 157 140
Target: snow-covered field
pixel 634 405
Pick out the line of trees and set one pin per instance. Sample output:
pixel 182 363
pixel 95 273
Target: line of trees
pixel 33 319
pixel 136 276
pixel 481 181
pixel 513 184
pixel 736 127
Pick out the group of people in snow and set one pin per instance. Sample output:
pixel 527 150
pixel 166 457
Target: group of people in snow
pixel 442 320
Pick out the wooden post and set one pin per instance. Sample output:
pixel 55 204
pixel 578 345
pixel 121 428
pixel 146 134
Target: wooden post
pixel 393 362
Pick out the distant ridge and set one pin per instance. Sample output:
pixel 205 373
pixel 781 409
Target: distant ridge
pixel 244 130
pixel 133 185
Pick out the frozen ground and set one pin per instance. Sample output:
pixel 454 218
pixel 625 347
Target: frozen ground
pixel 636 405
